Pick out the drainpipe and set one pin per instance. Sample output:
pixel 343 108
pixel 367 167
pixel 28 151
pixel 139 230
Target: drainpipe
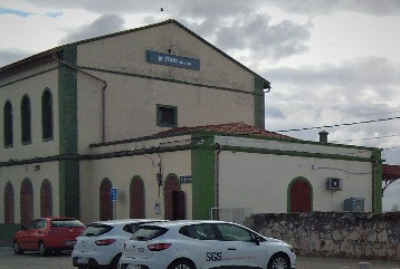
pixel 373 183
pixel 103 95
pixel 217 155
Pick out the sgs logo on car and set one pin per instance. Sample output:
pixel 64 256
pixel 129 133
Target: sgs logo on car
pixel 214 256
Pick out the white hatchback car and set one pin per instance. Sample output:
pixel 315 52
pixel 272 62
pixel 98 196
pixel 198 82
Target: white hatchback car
pixel 101 244
pixel 204 244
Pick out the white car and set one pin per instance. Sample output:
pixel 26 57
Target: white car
pixel 101 244
pixel 204 244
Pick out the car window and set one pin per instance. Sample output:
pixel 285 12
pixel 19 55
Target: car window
pixel 61 223
pixel 40 224
pixel 201 232
pixel 131 227
pixel 33 224
pixel 145 233
pixel 96 229
pixel 231 232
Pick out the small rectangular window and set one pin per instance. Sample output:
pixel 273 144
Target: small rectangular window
pixel 167 116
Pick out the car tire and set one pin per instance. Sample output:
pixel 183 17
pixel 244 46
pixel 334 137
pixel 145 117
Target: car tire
pixel 42 249
pixel 114 262
pixel 279 261
pixel 16 248
pixel 181 264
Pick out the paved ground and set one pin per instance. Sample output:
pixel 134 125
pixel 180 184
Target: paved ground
pixel 32 260
pixel 341 263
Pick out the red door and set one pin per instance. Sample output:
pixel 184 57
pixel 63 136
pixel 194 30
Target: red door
pixel 171 185
pixel 300 196
pixel 106 210
pixel 137 199
pixel 26 205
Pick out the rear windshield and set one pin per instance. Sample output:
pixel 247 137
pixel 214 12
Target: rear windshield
pixel 148 233
pixel 62 223
pixel 96 229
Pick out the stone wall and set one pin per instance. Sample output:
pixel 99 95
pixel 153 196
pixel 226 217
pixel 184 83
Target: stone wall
pixel 345 234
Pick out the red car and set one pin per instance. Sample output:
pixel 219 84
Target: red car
pixel 48 234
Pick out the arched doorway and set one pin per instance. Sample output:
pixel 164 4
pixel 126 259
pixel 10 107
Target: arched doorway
pixel 106 210
pixel 174 200
pixel 26 204
pixel 46 199
pixel 136 193
pixel 9 203
pixel 300 195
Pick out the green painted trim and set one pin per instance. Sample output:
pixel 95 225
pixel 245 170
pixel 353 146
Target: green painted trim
pixel 290 187
pixel 259 103
pixel 68 134
pixel 7 232
pixel 203 180
pixel 295 153
pixel 377 192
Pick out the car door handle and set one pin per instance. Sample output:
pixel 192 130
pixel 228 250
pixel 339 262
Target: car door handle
pixel 232 249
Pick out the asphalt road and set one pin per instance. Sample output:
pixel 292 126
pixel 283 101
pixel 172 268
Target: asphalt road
pixel 32 260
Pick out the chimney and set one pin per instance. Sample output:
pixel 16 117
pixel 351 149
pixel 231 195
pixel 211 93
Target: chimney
pixel 323 137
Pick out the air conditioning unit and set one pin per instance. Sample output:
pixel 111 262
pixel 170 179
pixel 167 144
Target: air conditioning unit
pixel 334 184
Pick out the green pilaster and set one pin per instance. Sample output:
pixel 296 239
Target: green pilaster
pixel 377 180
pixel 259 102
pixel 203 179
pixel 68 130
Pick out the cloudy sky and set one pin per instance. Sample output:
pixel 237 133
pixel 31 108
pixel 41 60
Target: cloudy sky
pixel 330 62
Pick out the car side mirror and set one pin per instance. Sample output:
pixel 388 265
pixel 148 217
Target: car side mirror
pixel 257 240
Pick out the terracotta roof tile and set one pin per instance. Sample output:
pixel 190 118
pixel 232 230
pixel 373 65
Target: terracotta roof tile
pixel 237 128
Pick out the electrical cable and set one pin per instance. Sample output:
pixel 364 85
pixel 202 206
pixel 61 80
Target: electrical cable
pixel 338 125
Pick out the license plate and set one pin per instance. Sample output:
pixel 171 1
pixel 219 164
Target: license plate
pixel 70 243
pixel 82 261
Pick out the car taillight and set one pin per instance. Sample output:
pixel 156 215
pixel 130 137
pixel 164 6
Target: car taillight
pixel 105 242
pixel 158 247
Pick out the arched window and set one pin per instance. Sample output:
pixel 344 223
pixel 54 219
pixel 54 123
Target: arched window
pixel 46 199
pixel 8 125
pixel 9 203
pixel 47 115
pixel 136 198
pixel 26 204
pixel 106 210
pixel 26 136
pixel 300 195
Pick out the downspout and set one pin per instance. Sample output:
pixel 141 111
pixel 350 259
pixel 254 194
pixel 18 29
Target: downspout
pixel 217 156
pixel 373 183
pixel 103 94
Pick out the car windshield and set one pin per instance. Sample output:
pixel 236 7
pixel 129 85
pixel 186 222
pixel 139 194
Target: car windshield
pixel 62 223
pixel 148 233
pixel 96 229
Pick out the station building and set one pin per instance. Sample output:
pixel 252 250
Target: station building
pixel 156 122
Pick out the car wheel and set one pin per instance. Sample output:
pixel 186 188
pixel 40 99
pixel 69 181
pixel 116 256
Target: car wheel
pixel 42 249
pixel 279 261
pixel 114 262
pixel 16 248
pixel 181 264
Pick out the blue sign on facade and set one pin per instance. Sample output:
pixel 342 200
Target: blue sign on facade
pixel 172 60
pixel 114 195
